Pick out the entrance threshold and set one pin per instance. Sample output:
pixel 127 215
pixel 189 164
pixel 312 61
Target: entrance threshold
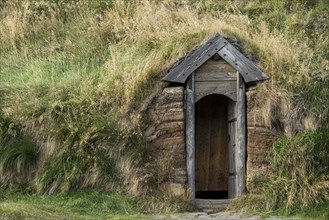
pixel 212 203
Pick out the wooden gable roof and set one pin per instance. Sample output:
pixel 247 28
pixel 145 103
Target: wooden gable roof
pixel 217 44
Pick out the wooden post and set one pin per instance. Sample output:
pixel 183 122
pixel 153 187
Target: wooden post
pixel 190 135
pixel 240 154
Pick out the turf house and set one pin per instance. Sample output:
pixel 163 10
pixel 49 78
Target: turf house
pixel 204 121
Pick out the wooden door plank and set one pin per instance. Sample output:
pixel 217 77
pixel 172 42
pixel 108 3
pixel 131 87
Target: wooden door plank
pixel 211 144
pixel 203 132
pixel 218 178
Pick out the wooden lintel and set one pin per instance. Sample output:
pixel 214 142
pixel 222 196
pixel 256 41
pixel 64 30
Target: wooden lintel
pixel 227 88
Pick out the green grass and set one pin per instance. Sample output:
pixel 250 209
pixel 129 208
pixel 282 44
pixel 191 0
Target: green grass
pixel 78 205
pixel 252 205
pixel 297 184
pixel 317 211
pixel 89 204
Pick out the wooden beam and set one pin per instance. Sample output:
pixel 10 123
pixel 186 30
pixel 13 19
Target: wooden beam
pixel 249 71
pixel 182 71
pixel 190 135
pixel 227 88
pixel 240 154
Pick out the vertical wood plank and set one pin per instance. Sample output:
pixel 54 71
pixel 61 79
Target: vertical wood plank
pixel 202 145
pixel 218 178
pixel 240 154
pixel 190 134
pixel 231 148
pixel 211 150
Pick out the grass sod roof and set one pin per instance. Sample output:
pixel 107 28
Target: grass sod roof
pixel 73 82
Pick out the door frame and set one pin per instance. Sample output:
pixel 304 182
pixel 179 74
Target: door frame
pixel 237 151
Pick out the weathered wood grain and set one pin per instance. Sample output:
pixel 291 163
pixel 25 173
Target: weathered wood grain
pixel 211 144
pixel 219 76
pixel 218 162
pixel 215 70
pixel 182 71
pixel 224 49
pixel 190 136
pixel 202 145
pixel 240 154
pixel 227 88
pixel 249 71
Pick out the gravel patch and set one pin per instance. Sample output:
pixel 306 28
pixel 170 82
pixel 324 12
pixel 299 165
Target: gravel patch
pixel 220 216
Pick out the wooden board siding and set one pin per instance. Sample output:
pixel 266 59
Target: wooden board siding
pixel 214 70
pixel 211 144
pixel 227 88
pixel 215 77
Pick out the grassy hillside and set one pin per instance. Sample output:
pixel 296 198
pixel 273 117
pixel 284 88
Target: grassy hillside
pixel 74 76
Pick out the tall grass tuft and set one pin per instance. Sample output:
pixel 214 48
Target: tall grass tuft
pixel 18 157
pixel 18 154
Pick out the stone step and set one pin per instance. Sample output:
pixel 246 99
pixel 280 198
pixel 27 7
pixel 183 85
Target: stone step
pixel 217 204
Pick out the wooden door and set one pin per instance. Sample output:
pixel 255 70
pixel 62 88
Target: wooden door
pixel 211 148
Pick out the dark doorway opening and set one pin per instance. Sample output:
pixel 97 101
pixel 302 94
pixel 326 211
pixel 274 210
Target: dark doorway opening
pixel 211 194
pixel 211 147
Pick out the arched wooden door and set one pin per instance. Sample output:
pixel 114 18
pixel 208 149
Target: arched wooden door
pixel 211 147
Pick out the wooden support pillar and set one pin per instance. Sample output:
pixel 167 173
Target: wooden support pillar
pixel 240 154
pixel 190 135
